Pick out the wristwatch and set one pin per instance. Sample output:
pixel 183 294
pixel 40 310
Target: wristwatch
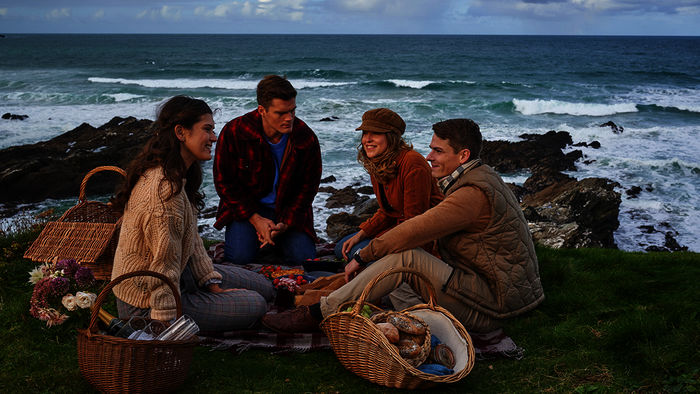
pixel 357 258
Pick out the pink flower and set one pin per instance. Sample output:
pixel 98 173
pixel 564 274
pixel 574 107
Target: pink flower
pixel 52 297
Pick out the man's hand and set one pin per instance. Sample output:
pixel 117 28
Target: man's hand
pixel 278 229
pixel 351 270
pixel 352 241
pixel 263 227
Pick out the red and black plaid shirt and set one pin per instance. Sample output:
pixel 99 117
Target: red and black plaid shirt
pixel 244 173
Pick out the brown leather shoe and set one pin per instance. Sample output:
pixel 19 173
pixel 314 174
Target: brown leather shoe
pixel 294 320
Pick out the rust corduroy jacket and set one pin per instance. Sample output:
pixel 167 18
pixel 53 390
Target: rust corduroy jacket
pixel 412 192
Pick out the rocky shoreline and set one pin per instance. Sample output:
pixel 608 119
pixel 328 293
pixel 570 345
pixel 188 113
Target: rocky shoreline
pixel 562 212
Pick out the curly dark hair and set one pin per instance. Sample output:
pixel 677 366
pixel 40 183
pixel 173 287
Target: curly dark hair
pixel 163 149
pixel 384 167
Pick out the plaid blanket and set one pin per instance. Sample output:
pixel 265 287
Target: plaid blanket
pixel 487 346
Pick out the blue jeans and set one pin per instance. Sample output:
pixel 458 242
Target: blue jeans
pixel 242 245
pixel 339 246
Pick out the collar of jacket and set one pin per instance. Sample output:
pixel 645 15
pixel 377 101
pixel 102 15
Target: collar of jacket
pixel 446 182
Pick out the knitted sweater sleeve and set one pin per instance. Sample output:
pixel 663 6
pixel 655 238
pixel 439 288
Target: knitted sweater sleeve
pixel 163 234
pixel 200 262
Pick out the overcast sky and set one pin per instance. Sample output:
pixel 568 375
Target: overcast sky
pixel 587 17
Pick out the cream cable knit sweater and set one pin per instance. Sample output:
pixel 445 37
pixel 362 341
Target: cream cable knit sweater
pixel 159 236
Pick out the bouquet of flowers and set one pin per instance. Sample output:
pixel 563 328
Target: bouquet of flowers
pixel 60 287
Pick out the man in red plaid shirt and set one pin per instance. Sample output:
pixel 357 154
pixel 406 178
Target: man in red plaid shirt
pixel 267 169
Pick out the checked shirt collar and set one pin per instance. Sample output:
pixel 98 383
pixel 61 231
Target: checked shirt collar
pixel 447 181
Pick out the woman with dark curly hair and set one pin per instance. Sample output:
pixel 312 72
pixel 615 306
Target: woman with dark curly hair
pixel 400 176
pixel 160 200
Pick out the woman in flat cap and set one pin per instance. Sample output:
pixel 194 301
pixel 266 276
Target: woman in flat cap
pixel 401 179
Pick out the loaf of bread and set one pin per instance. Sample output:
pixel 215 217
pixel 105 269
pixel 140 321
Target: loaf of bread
pixel 390 331
pixel 407 324
pixel 408 348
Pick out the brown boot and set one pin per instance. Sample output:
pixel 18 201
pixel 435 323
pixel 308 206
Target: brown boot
pixel 298 319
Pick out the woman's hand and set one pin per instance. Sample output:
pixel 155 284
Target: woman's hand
pixel 351 270
pixel 215 288
pixel 352 241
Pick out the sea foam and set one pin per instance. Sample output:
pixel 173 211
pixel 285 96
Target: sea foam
pixel 229 84
pixel 537 107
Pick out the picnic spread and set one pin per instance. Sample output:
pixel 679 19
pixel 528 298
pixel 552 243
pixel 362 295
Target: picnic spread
pixel 414 348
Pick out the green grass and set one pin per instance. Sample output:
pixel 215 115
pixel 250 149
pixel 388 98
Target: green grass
pixel 612 322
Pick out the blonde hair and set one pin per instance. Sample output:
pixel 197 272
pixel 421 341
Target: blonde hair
pixel 384 167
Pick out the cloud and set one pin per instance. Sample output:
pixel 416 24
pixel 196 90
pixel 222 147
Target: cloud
pixel 99 14
pixel 58 13
pixel 3 11
pixel 165 12
pixel 538 9
pixel 291 10
pixel 411 9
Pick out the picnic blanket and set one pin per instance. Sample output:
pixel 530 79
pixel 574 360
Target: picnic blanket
pixel 487 346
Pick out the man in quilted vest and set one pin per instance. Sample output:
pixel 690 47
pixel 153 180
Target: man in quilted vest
pixel 487 270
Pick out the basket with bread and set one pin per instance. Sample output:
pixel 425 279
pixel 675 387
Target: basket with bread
pixel 391 348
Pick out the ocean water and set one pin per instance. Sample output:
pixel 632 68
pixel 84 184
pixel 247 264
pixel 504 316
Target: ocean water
pixel 510 85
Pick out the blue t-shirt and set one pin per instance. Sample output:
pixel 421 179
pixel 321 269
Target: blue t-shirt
pixel 277 155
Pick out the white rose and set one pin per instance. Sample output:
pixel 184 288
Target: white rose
pixel 69 302
pixel 85 300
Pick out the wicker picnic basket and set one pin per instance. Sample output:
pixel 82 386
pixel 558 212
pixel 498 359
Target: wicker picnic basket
pixel 87 232
pixel 117 365
pixel 363 349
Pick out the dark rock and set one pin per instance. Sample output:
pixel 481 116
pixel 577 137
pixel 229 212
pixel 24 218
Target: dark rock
pixel 654 248
pixel 649 187
pixel 542 149
pixel 343 197
pixel 575 214
pixel 633 191
pixel 551 139
pixel 328 179
pixel 615 128
pixel 208 213
pixel 327 189
pixel 587 162
pixel 366 209
pixel 55 168
pixel 594 144
pixel 10 116
pixel 341 224
pixel 542 177
pixel 365 190
pixel 329 119
pixel 671 244
pixel 648 229
pixel 519 191
pixel 532 215
pixel 573 155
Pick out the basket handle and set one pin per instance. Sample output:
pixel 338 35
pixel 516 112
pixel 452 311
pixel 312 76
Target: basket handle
pixel 365 293
pixel 105 293
pixel 92 172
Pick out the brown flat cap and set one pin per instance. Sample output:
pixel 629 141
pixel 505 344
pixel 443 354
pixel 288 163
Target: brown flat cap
pixel 382 120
